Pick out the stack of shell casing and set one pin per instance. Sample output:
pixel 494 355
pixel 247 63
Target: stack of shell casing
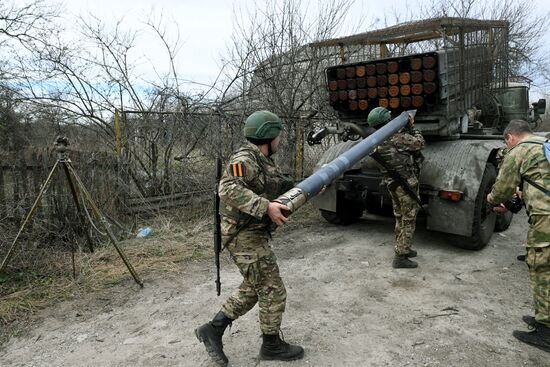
pixel 398 84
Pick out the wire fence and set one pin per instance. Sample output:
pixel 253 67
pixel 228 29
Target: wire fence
pixel 166 163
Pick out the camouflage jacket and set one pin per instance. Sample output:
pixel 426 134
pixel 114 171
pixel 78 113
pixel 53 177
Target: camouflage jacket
pixel 402 151
pixel 524 160
pixel 250 181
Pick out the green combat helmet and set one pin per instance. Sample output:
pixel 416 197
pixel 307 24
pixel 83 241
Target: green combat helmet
pixel 378 116
pixel 262 125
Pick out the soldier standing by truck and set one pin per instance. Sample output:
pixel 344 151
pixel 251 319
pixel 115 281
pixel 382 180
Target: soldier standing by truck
pixel 401 154
pixel 527 166
pixel 248 186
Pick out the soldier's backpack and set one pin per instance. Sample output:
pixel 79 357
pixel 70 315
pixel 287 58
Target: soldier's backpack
pixel 546 150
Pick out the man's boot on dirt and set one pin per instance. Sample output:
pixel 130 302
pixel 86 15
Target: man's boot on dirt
pixel 211 335
pixel 274 348
pixel 402 261
pixel 529 320
pixel 411 253
pixel 539 338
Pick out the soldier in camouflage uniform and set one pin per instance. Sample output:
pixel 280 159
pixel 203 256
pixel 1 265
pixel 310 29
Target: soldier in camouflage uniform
pixel 402 152
pixel 501 153
pixel 526 166
pixel 247 189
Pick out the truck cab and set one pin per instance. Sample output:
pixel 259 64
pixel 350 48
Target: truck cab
pixel 513 103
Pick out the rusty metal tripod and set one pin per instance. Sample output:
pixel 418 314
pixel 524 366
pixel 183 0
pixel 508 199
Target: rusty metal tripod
pixel 75 184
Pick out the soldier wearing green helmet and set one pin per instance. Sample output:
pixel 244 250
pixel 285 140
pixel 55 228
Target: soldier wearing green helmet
pixel 262 125
pixel 402 152
pixel 378 116
pixel 249 185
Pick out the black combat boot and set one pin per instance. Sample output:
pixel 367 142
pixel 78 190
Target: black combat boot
pixel 411 253
pixel 211 335
pixel 530 320
pixel 539 338
pixel 274 348
pixel 402 261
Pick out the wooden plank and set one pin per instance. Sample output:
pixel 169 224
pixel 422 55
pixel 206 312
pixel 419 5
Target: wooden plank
pixel 16 194
pixel 154 207
pixel 42 176
pixel 189 199
pixel 37 181
pixel 2 195
pixel 163 198
pixel 24 183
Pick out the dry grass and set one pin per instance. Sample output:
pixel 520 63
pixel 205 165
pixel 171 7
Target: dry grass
pixel 40 277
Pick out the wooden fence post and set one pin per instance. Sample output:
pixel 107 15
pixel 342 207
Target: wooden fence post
pixel 3 212
pixel 299 165
pixel 16 193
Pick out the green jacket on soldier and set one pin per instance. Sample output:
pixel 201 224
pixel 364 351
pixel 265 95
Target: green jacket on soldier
pixel 250 181
pixel 249 184
pixel 401 153
pixel 526 166
pixel 526 160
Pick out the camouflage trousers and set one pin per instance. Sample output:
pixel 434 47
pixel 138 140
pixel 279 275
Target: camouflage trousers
pixel 261 283
pixel 539 231
pixel 405 209
pixel 538 260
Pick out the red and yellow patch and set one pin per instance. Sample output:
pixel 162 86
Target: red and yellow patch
pixel 237 169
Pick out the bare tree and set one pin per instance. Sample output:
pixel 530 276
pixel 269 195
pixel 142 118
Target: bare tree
pixel 528 25
pixel 91 75
pixel 22 26
pixel 26 22
pixel 273 66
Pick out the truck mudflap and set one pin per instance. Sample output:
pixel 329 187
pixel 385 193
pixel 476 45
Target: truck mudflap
pixel 455 166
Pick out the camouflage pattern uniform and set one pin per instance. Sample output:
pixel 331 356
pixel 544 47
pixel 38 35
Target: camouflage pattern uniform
pixel 402 152
pixel 528 160
pixel 248 184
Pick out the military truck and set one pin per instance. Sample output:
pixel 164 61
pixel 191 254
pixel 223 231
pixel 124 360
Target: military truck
pixel 455 72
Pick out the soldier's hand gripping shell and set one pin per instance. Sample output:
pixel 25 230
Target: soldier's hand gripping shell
pixel 276 211
pixel 410 124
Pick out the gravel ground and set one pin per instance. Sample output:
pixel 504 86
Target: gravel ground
pixel 346 306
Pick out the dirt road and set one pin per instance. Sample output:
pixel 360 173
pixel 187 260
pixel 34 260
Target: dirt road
pixel 346 306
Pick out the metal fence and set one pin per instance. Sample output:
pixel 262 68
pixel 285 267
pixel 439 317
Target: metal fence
pixel 131 182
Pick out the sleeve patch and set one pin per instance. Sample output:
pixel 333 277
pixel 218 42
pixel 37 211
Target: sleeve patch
pixel 237 169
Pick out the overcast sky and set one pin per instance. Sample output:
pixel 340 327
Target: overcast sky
pixel 206 25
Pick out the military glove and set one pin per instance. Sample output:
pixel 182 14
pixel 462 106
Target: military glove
pixel 514 204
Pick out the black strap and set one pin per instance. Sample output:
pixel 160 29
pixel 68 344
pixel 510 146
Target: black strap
pixel 234 234
pixel 536 185
pixel 531 182
pixel 392 172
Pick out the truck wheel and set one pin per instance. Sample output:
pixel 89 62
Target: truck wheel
pixel 503 221
pixel 347 212
pixel 484 220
